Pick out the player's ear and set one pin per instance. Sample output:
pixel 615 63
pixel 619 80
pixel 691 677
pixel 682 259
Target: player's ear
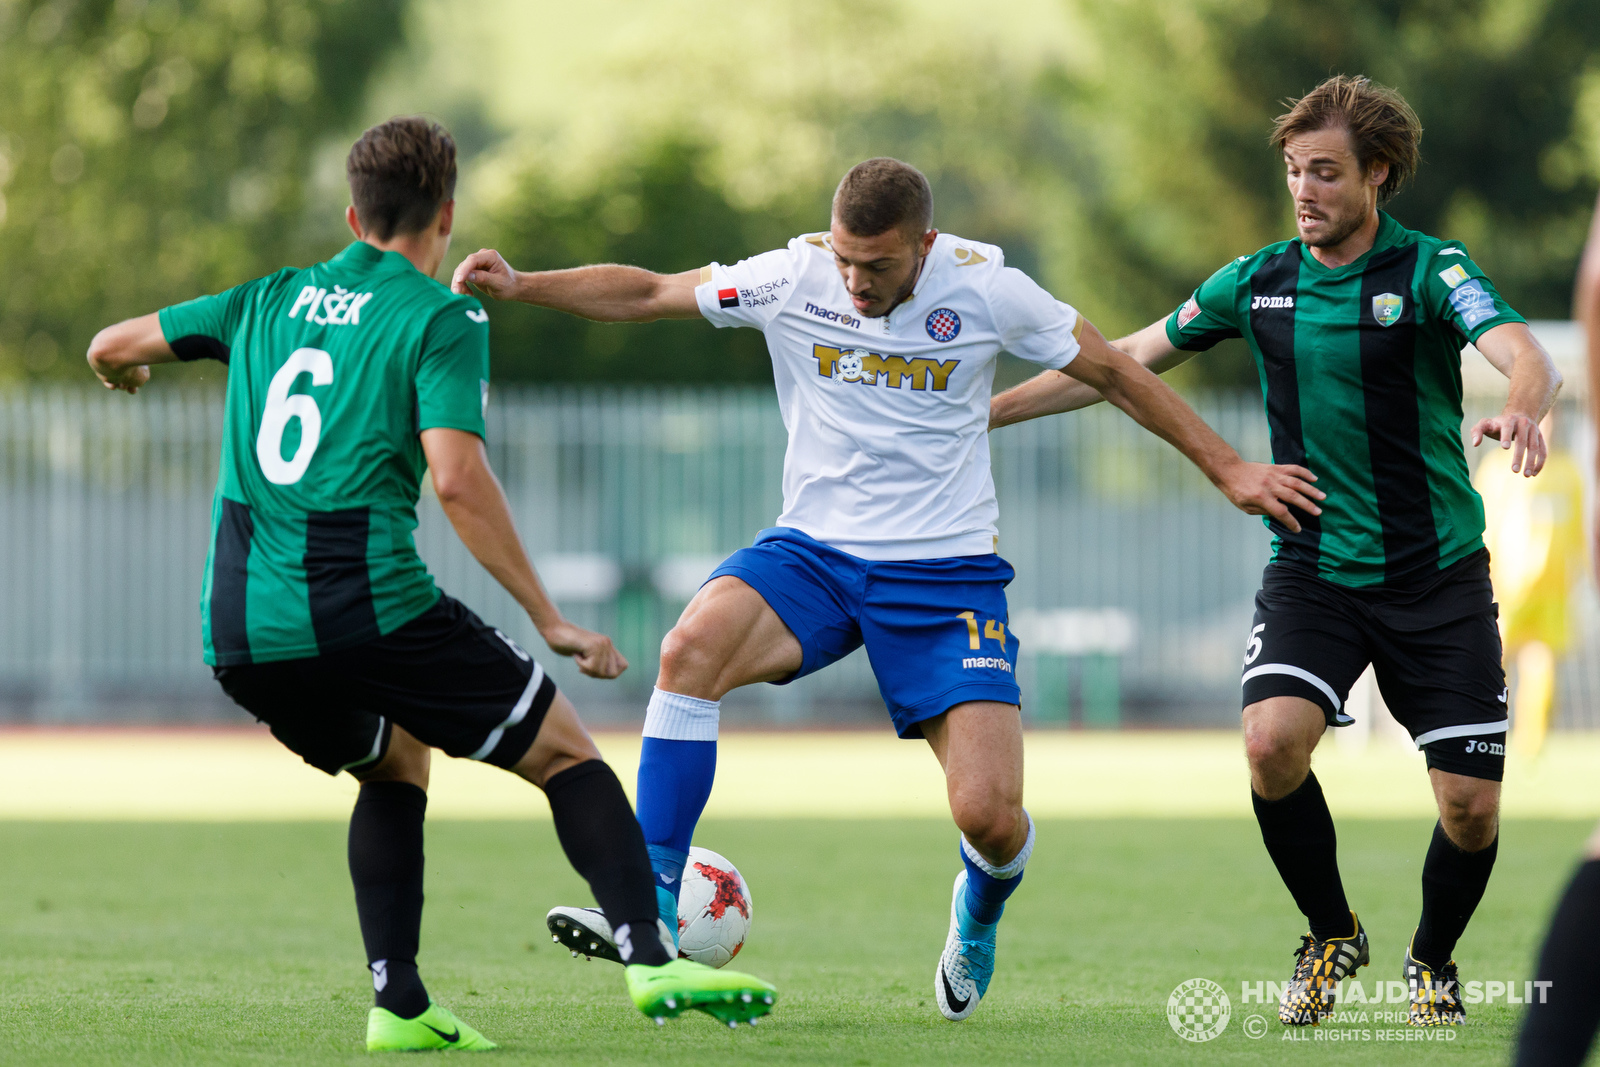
pixel 447 218
pixel 353 222
pixel 1378 173
pixel 927 242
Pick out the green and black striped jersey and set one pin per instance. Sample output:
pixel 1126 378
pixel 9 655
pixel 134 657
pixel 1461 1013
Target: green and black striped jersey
pixel 333 372
pixel 1360 367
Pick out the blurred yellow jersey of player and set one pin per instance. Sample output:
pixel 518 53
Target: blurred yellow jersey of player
pixel 1534 533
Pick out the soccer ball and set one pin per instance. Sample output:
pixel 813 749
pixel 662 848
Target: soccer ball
pixel 714 909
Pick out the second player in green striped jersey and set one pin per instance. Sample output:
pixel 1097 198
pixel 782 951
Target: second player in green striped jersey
pixel 1360 368
pixel 1357 327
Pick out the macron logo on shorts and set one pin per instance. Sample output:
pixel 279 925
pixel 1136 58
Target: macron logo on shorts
pixel 990 662
pixel 728 298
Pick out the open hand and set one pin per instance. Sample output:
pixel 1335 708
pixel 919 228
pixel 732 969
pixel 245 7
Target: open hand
pixel 488 271
pixel 594 653
pixel 1519 433
pixel 1268 489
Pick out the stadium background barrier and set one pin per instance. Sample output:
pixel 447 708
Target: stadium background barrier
pixel 1132 598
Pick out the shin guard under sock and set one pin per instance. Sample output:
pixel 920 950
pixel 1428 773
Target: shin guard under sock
pixel 677 766
pixel 1453 882
pixel 386 868
pixel 1560 1024
pixel 604 844
pixel 1298 833
pixel 989 886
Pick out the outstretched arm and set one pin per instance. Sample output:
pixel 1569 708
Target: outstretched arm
pixel 121 355
pixel 605 293
pixel 1255 488
pixel 1511 347
pixel 1054 392
pixel 477 508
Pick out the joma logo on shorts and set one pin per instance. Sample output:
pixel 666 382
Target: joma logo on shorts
pixel 1488 748
pixel 1271 302
pixel 991 662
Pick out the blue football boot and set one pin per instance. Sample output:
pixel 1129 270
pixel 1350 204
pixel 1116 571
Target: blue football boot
pixel 968 960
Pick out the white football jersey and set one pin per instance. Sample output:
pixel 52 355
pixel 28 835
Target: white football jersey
pixel 888 418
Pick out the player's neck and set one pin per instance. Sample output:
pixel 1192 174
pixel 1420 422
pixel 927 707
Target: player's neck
pixel 424 250
pixel 1353 247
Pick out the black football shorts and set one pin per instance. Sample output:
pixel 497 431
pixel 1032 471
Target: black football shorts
pixel 1435 651
pixel 446 677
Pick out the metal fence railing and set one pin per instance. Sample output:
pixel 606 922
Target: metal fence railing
pixel 1133 591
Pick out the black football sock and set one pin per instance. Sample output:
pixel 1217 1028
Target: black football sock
pixel 604 844
pixel 386 867
pixel 1298 832
pixel 1453 882
pixel 1561 1019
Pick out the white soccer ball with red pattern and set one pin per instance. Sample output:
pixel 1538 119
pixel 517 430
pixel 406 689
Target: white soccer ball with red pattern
pixel 714 909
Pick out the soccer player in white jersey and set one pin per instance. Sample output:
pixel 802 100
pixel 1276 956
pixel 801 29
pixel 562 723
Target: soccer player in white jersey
pixel 883 334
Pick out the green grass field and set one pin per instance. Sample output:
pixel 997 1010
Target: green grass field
pixel 237 943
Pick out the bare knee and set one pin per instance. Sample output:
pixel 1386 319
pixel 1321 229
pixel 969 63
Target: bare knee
pixel 1471 818
pixel 1278 742
pixel 405 760
pixel 994 826
pixel 687 664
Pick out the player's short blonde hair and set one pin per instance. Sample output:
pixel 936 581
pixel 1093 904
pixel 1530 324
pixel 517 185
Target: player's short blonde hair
pixel 1382 126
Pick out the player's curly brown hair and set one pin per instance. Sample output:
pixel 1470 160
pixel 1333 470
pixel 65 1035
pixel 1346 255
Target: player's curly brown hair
pixel 1382 126
pixel 401 172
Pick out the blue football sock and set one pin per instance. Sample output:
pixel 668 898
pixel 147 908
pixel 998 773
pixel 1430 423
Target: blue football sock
pixel 988 886
pixel 677 764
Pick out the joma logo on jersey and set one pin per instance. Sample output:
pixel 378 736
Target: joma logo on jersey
pixel 856 366
pixel 843 318
pixel 1260 302
pixel 338 308
pixel 1491 748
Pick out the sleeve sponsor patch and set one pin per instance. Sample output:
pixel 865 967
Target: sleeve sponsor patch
pixel 1454 276
pixel 1188 312
pixel 728 298
pixel 1472 303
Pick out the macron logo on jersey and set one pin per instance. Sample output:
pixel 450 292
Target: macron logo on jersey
pixel 843 318
pixel 338 308
pixel 1271 302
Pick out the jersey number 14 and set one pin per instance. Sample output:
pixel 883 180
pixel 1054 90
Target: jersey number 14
pixel 281 407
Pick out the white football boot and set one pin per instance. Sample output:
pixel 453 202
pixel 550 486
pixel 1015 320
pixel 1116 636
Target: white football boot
pixel 967 965
pixel 586 932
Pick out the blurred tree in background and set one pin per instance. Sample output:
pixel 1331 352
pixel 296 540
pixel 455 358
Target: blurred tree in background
pixel 153 151
pixel 659 210
pixel 1182 179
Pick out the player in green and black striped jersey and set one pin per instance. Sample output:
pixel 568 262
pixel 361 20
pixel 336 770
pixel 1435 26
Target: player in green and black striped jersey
pixel 347 381
pixel 1357 327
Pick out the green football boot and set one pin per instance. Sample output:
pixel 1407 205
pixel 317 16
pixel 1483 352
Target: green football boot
pixel 436 1028
pixel 673 988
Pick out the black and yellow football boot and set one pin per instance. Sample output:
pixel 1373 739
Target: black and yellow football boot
pixel 1435 993
pixel 1319 967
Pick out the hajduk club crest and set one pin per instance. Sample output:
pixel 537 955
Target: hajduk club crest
pixel 943 325
pixel 1386 308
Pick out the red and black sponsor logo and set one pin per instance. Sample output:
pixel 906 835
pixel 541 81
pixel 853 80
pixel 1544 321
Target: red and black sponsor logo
pixel 728 298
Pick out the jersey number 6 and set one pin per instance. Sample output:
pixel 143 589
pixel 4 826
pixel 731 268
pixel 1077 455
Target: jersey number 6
pixel 281 407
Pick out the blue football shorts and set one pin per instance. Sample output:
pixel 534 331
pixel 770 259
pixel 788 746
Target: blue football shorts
pixel 935 629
